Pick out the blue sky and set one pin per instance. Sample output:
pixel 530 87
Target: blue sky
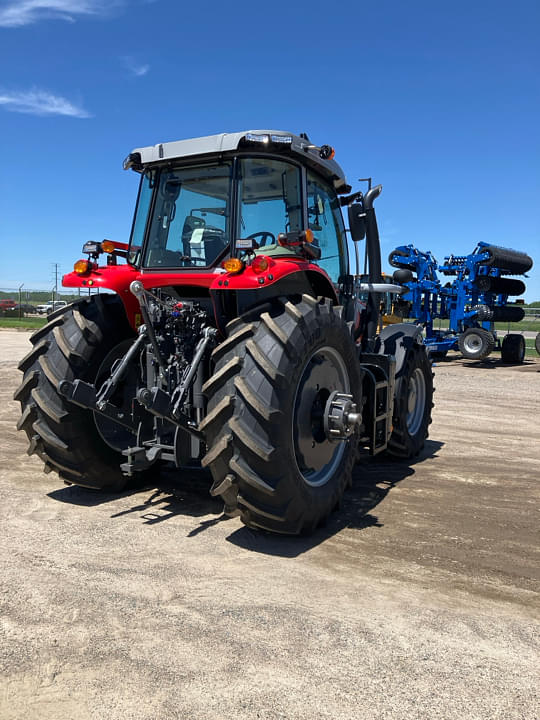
pixel 437 101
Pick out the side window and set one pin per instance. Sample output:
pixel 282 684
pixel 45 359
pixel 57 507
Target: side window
pixel 141 216
pixel 269 199
pixel 325 219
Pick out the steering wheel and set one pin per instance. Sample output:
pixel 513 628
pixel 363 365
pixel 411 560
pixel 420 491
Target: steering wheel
pixel 263 234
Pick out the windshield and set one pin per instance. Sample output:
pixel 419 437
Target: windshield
pixel 190 221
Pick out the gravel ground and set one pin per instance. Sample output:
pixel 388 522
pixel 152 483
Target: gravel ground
pixel 418 600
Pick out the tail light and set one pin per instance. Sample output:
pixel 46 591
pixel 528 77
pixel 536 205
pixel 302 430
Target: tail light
pixel 260 263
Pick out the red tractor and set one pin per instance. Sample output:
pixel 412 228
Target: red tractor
pixel 236 339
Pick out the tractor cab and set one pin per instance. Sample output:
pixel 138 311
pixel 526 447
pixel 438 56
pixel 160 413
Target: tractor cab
pixel 195 211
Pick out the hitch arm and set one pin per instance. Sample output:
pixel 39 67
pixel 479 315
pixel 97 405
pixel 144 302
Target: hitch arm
pixel 111 384
pixel 169 408
pixel 84 395
pixel 209 335
pixel 137 288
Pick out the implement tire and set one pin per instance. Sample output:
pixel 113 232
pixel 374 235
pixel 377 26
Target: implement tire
pixel 496 285
pixel 413 401
pixel 395 263
pixel 72 345
pixel 476 343
pixel 267 451
pixel 513 349
pixel 510 262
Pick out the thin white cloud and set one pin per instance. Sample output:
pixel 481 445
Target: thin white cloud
pixel 135 68
pixel 40 102
pixel 26 12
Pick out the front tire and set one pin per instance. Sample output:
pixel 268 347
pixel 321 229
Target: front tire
pixel 269 456
pixel 413 401
pixel 72 345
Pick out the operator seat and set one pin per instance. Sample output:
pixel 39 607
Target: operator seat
pixel 160 257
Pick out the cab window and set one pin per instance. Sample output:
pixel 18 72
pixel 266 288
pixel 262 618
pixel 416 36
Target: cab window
pixel 190 222
pixel 141 216
pixel 326 221
pixel 269 193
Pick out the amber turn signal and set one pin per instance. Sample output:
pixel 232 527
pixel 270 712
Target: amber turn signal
pixel 81 267
pixel 308 236
pixel 107 246
pixel 233 265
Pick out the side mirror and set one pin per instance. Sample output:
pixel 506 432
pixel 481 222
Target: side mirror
pixel 357 221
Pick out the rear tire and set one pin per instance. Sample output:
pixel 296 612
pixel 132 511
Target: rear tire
pixel 476 343
pixel 537 343
pixel 513 349
pixel 72 345
pixel 413 401
pixel 267 451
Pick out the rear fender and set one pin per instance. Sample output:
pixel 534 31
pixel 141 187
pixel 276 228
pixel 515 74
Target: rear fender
pixel 281 272
pixel 237 298
pixel 115 278
pixel 321 285
pixel 396 340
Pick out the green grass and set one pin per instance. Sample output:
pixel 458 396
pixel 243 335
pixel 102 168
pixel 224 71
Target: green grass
pixel 524 325
pixel 24 323
pixel 530 349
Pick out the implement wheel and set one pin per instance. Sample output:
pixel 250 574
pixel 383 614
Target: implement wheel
pixel 413 400
pixel 267 450
pixel 476 343
pixel 513 349
pixel 395 263
pixel 72 345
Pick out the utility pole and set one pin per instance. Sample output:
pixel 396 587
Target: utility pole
pixel 55 289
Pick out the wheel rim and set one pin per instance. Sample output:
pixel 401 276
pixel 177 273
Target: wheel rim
pixel 416 401
pixel 317 459
pixel 472 343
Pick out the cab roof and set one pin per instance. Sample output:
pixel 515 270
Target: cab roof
pixel 271 141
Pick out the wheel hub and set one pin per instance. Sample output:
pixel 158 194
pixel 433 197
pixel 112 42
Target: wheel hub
pixel 472 343
pixel 340 417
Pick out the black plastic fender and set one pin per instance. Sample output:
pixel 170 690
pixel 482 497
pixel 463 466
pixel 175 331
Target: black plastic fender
pixel 396 339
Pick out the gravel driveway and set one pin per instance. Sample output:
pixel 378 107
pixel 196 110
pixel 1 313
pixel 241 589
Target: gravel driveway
pixel 418 600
